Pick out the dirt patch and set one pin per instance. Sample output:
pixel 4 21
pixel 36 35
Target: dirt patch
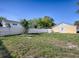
pixel 57 43
pixel 71 45
pixel 63 44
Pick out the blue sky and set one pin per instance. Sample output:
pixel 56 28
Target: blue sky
pixel 59 10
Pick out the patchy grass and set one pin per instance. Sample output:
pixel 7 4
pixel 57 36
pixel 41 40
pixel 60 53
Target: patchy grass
pixel 42 45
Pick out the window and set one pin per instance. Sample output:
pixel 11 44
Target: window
pixel 14 24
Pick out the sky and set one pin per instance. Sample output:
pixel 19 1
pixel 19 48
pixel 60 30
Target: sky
pixel 59 10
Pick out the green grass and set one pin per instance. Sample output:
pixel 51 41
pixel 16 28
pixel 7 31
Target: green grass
pixel 42 45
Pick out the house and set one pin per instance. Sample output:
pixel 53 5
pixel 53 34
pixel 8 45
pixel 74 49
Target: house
pixel 64 28
pixel 9 23
pixel 9 27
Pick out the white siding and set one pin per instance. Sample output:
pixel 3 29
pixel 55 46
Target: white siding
pixel 14 29
pixel 11 31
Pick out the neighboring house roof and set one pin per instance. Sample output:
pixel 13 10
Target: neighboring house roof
pixel 63 23
pixel 11 21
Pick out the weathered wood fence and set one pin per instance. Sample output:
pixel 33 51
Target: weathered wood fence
pixel 39 30
pixel 18 30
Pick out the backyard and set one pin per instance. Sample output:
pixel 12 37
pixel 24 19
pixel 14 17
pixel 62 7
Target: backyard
pixel 40 45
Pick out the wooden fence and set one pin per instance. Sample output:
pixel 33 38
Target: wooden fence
pixel 39 30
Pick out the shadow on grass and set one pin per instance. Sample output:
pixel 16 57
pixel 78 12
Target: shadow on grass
pixel 4 53
pixel 10 35
pixel 34 33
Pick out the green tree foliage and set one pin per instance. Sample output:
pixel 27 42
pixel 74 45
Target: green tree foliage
pixel 77 3
pixel 46 22
pixel 24 23
pixel 77 25
pixel 33 23
pixel 78 7
pixel 76 22
pixel 2 18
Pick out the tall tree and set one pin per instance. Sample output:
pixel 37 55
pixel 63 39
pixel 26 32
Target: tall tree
pixel 24 23
pixel 46 22
pixel 76 22
pixel 78 7
pixel 2 18
pixel 33 23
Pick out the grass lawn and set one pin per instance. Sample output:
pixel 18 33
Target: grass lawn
pixel 42 45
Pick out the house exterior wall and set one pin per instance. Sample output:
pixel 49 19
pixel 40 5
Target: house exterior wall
pixel 11 31
pixel 64 28
pixel 14 29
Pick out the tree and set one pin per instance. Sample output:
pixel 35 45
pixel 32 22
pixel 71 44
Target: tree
pixel 33 23
pixel 46 22
pixel 40 23
pixel 2 18
pixel 76 23
pixel 24 23
pixel 78 7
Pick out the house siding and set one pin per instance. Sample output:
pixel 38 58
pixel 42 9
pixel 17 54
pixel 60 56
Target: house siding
pixel 66 28
pixel 11 31
pixel 14 29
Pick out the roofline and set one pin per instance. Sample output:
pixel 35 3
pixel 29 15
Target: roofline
pixel 11 21
pixel 64 23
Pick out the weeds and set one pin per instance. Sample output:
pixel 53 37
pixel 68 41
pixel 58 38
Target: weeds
pixel 42 45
